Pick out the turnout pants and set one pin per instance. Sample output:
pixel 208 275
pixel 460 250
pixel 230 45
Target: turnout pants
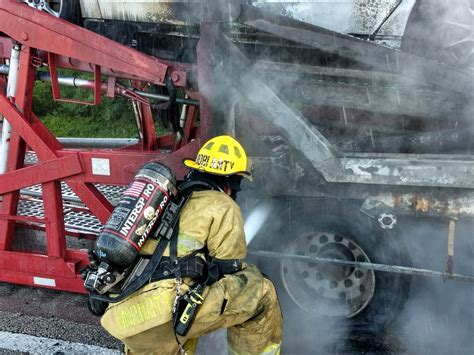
pixel 245 303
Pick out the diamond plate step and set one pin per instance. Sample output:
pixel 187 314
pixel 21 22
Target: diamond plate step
pixel 111 192
pixel 76 221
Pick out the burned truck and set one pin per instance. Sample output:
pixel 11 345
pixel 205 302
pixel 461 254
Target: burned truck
pixel 358 116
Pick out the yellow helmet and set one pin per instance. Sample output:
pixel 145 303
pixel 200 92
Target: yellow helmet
pixel 221 155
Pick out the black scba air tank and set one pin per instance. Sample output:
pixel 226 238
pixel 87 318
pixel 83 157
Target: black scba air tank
pixel 135 216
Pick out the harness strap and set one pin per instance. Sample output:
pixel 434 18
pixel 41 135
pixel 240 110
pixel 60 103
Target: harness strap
pixel 226 266
pixel 143 278
pixel 196 268
pixel 193 267
pixel 167 233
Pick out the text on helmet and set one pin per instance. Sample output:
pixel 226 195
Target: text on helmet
pixel 204 161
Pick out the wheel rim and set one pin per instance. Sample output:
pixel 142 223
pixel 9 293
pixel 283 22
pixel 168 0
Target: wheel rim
pixel 324 289
pixel 49 6
pixel 457 35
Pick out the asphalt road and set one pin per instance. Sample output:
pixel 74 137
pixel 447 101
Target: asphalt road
pixel 43 321
pixel 41 314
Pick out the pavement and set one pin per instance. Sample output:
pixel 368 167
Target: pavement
pixel 44 321
pixel 48 321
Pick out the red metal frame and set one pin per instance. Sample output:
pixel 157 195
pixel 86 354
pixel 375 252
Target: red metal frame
pixel 53 71
pixel 50 41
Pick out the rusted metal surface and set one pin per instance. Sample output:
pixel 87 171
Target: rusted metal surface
pixel 453 205
pixel 411 170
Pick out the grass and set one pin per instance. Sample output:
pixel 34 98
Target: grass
pixel 89 126
pixel 113 118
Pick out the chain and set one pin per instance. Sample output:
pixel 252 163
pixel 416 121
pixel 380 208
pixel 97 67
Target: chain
pixel 178 282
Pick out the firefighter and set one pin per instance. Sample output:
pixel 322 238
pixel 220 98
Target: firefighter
pixel 239 298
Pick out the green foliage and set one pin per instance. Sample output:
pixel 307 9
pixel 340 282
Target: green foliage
pixel 112 118
pixel 88 126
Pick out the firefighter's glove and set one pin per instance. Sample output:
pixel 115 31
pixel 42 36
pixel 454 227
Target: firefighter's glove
pixel 96 307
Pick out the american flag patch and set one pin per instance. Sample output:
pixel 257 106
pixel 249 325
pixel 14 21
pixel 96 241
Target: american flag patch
pixel 136 189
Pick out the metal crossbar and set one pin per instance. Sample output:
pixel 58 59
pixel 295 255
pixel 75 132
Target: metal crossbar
pixel 370 266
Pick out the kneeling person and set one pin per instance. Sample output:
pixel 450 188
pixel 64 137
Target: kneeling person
pixel 210 227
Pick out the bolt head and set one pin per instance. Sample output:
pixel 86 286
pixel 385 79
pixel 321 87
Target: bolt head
pixel 25 36
pixel 387 220
pixel 175 76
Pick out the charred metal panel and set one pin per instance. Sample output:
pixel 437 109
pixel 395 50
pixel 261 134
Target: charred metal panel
pixel 174 12
pixel 374 56
pixel 164 11
pixel 371 14
pixel 438 141
pixel 90 9
pixel 346 16
pixel 236 72
pixel 411 101
pixel 392 30
pixel 184 12
pixel 409 170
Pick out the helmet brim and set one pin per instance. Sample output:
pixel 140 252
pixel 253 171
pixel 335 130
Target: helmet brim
pixel 191 164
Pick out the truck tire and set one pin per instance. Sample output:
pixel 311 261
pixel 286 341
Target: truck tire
pixel 69 10
pixel 443 31
pixel 363 300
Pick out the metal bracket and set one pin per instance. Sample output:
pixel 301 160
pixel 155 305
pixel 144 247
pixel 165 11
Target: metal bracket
pixel 53 71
